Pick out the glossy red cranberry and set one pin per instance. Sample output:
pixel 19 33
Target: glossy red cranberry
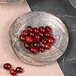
pixel 31 34
pixel 51 40
pixel 41 34
pixel 47 34
pixel 36 30
pixel 44 41
pixel 13 72
pixel 25 32
pixel 29 28
pixel 46 46
pixel 42 29
pixel 48 29
pixel 36 38
pixel 22 38
pixel 7 66
pixel 29 39
pixel 26 45
pixel 37 45
pixel 33 49
pixel 41 49
pixel 19 70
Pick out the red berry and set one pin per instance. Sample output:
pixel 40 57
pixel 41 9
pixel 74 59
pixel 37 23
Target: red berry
pixel 31 34
pixel 29 28
pixel 41 49
pixel 46 46
pixel 36 38
pixel 48 29
pixel 37 45
pixel 44 41
pixel 33 49
pixel 22 38
pixel 36 30
pixel 42 29
pixel 13 72
pixel 47 34
pixel 25 32
pixel 51 40
pixel 19 70
pixel 29 39
pixel 41 34
pixel 26 45
pixel 7 66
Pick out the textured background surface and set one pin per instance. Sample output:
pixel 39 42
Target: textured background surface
pixel 63 10
pixel 8 13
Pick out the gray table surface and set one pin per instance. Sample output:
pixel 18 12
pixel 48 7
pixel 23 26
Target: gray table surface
pixel 64 10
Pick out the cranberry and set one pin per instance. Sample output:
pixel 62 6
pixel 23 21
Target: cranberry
pixel 22 38
pixel 36 30
pixel 13 72
pixel 47 34
pixel 33 49
pixel 48 29
pixel 41 49
pixel 46 46
pixel 42 29
pixel 44 41
pixel 51 40
pixel 25 32
pixel 26 45
pixel 7 66
pixel 37 45
pixel 19 70
pixel 41 34
pixel 29 39
pixel 29 28
pixel 31 34
pixel 37 38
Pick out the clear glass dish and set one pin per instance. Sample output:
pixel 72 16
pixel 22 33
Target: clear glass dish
pixel 37 19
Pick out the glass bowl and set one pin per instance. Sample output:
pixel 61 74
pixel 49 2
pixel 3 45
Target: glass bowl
pixel 37 19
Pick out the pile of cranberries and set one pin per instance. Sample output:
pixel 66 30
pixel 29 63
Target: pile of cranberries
pixel 8 66
pixel 37 39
